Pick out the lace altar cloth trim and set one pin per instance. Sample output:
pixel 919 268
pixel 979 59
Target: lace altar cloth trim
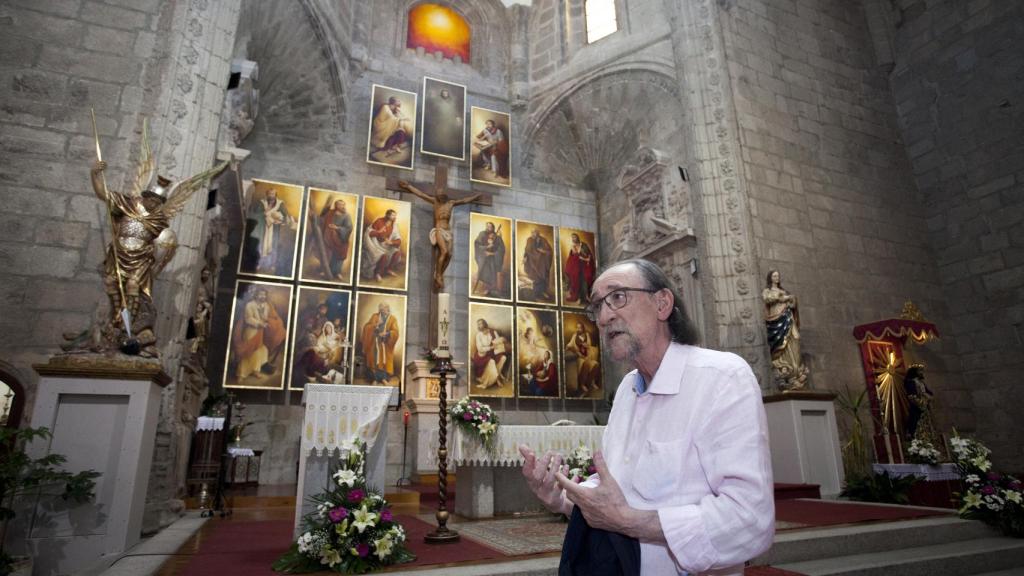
pixel 929 473
pixel 467 450
pixel 240 452
pixel 209 423
pixel 336 413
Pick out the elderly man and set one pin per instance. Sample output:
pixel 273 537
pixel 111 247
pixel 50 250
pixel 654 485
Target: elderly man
pixel 685 468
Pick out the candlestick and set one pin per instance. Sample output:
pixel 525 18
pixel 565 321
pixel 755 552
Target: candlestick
pixel 443 325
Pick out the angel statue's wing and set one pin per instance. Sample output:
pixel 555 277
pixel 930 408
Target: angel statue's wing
pixel 144 170
pixel 182 191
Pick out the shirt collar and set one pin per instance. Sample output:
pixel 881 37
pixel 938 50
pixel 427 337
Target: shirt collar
pixel 669 377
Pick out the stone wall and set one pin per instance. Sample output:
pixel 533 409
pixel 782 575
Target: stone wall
pixel 957 82
pixel 166 61
pixel 832 197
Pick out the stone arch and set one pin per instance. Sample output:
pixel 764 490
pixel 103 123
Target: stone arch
pixel 571 141
pixel 478 14
pixel 296 100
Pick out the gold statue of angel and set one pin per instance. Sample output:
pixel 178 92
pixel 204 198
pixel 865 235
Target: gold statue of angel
pixel 141 247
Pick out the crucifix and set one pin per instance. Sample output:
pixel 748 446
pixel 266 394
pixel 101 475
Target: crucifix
pixel 444 200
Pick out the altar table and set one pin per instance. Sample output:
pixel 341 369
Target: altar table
pixel 334 415
pixel 491 483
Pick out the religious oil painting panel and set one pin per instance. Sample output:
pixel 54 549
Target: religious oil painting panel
pixel 271 240
pixel 443 122
pixel 490 261
pixel 537 345
pixel 384 243
pixel 434 28
pixel 491 149
pixel 328 240
pixel 491 351
pixel 320 344
pixel 535 263
pixel 256 355
pixel 578 254
pixel 391 135
pixel 581 357
pixel 379 328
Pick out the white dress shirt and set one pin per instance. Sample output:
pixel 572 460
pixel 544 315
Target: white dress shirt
pixel 694 447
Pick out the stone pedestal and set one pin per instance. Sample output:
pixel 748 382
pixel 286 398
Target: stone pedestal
pixel 423 389
pixel 103 416
pixel 805 440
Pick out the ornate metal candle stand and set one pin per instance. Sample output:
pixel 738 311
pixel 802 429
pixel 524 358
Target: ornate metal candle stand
pixel 443 368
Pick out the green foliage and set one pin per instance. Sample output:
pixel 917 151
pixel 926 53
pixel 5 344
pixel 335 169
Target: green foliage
pixel 879 487
pixel 22 475
pixel 855 450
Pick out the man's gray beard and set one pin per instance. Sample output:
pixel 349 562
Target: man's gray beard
pixel 632 347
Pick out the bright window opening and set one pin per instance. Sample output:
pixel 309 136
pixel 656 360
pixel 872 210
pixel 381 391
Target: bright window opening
pixel 600 19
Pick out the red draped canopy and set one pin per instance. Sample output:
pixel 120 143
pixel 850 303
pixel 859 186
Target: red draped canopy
pixel 895 329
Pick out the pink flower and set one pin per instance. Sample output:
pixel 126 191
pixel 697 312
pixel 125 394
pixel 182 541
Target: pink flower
pixel 591 469
pixel 363 549
pixel 994 476
pixel 337 514
pixel 385 515
pixel 483 417
pixel 356 495
pixel 988 490
pixel 467 416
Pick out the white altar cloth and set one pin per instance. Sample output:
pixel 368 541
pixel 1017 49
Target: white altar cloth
pixel 209 423
pixel 334 415
pixel 490 482
pixel 468 449
pixel 930 473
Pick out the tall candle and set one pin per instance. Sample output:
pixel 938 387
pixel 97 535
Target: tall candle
pixel 443 320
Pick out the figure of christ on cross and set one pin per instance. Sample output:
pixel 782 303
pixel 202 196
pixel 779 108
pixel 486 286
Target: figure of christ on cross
pixel 441 233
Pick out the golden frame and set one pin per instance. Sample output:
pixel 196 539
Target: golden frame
pixel 504 231
pixel 294 194
pixel 591 367
pixel 280 296
pixel 528 353
pixel 321 296
pixel 375 208
pixel 317 199
pixel 588 239
pixel 379 97
pixel 443 84
pixel 366 306
pixel 522 235
pixel 477 122
pixel 500 318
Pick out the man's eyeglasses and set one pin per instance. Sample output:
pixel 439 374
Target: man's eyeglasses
pixel 615 300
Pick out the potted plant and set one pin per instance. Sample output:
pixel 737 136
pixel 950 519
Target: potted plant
pixel 21 476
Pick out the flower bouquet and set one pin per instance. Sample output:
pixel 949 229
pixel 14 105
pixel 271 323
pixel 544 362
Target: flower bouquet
pixel 991 497
pixel 922 452
pixel 581 464
pixel 352 530
pixel 476 419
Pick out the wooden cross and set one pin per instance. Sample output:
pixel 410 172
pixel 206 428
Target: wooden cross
pixel 441 185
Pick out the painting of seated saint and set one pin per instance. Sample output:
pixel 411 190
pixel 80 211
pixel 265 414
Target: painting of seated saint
pixel 537 348
pixel 256 356
pixel 491 351
pixel 581 357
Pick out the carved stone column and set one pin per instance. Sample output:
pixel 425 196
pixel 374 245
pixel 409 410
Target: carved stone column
pixel 724 212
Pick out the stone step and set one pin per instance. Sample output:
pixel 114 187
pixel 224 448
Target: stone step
pixel 1018 571
pixel 803 545
pixel 949 559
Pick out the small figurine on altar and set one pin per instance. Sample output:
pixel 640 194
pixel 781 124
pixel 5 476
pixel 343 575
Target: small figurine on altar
pixel 919 425
pixel 782 320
